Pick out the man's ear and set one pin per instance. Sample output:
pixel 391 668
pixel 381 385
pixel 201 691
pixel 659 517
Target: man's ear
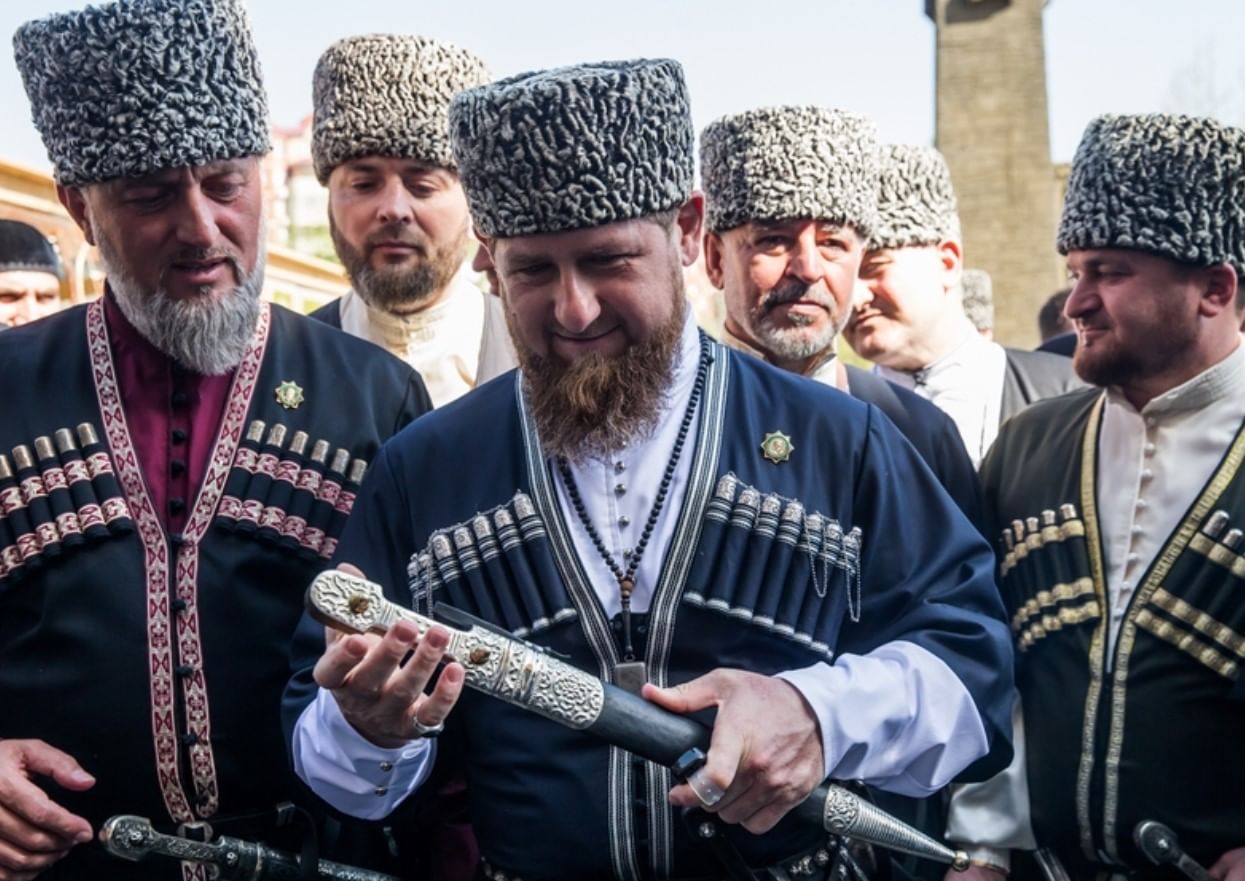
pixel 74 200
pixel 951 257
pixel 714 254
pixel 1219 289
pixel 691 224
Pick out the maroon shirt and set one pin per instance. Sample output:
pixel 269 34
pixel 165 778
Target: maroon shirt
pixel 173 415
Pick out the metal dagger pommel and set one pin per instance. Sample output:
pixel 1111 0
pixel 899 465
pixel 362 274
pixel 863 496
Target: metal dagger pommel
pixel 347 602
pixel 1161 847
pixel 128 837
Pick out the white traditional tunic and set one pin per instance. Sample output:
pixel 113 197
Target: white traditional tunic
pixel 442 342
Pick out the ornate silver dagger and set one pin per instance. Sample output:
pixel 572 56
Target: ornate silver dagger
pixel 134 838
pixel 526 676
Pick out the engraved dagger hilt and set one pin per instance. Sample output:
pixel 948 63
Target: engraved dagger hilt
pixel 133 838
pixel 526 676
pixel 506 668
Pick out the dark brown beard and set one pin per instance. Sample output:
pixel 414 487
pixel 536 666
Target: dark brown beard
pixel 594 406
pixel 1170 338
pixel 400 289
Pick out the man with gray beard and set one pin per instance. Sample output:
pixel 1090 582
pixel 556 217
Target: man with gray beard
pixel 397 213
pixel 177 463
pixel 789 203
pixel 682 520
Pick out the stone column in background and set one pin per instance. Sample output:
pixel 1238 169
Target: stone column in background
pixel 993 128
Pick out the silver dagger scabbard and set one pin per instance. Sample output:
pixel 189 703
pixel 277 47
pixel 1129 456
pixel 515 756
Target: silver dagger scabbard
pixel 524 675
pixel 504 667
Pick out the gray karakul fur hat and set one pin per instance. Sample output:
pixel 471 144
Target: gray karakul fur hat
pixel 1170 185
pixel 574 147
pixel 138 85
pixel 916 202
pixel 790 162
pixel 388 95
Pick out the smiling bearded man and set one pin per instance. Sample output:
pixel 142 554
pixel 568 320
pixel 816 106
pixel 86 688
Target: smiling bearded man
pixel 154 557
pixel 598 403
pixel 628 548
pixel 1131 617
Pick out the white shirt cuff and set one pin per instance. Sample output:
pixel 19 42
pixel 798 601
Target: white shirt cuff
pixel 897 718
pixel 350 772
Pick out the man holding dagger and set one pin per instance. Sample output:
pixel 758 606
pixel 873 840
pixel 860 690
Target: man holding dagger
pixel 656 510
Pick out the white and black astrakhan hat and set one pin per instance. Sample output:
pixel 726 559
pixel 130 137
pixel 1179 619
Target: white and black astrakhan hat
pixel 790 162
pixel 124 89
pixel 574 147
pixel 916 202
pixel 1170 185
pixel 388 95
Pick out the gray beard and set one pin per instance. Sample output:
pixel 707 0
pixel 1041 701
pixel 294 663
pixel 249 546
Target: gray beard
pixel 793 343
pixel 797 340
pixel 208 338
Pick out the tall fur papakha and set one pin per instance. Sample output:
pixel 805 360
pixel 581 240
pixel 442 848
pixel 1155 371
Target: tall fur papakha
pixel 777 163
pixel 388 95
pixel 124 89
pixel 574 147
pixel 1170 185
pixel 916 202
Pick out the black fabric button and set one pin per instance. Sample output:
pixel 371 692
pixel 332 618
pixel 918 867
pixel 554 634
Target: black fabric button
pixel 202 799
pixel 177 539
pixel 180 398
pixel 178 605
pixel 179 436
pixel 184 670
pixel 177 467
pixel 189 739
pixel 176 506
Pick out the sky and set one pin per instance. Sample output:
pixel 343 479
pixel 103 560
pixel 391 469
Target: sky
pixel 871 56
